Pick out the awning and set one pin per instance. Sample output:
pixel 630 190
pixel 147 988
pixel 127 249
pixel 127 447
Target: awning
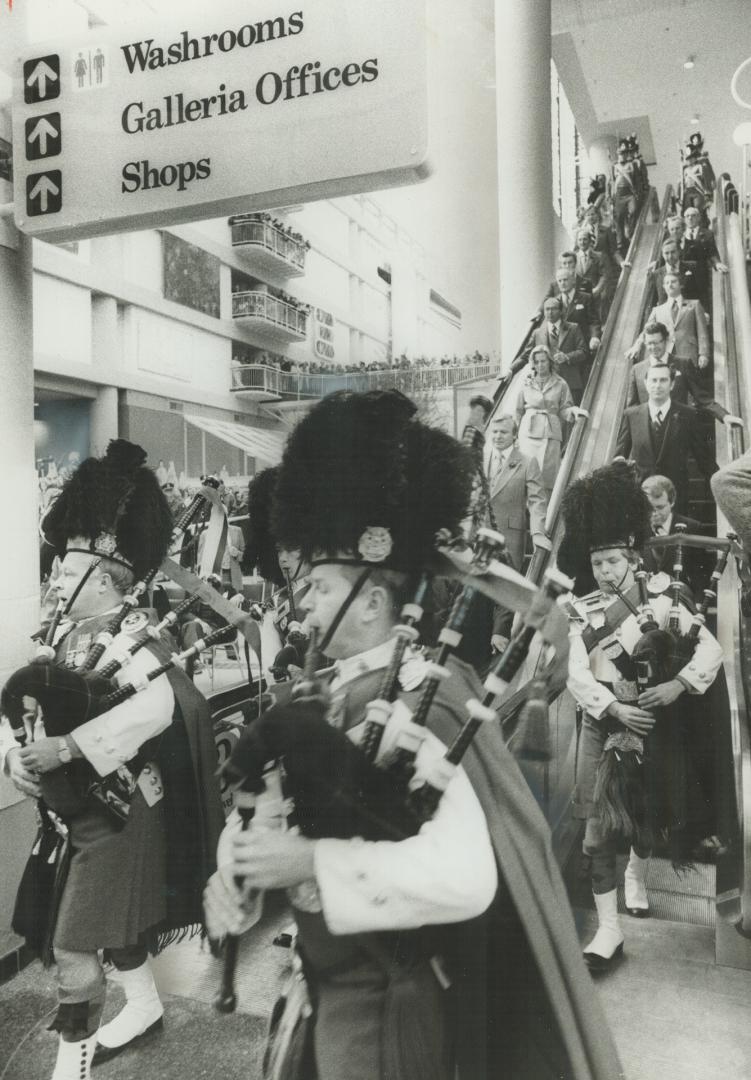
pixel 265 445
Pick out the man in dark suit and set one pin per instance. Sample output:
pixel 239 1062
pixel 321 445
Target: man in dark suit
pixel 589 265
pixel 661 494
pixel 605 245
pixel 672 259
pixel 567 346
pixel 660 436
pixel 687 377
pixel 577 304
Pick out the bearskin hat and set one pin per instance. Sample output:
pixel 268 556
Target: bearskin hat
pixel 605 509
pixel 260 550
pixel 116 504
pixel 363 480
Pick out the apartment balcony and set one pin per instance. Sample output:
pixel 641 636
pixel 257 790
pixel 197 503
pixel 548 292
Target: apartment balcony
pixel 269 249
pixel 261 383
pixel 272 318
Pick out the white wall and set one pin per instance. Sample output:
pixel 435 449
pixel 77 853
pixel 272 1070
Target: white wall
pixel 62 320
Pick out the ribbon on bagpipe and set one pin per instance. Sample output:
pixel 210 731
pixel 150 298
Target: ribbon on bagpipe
pixel 482 504
pixel 296 643
pixel 644 784
pixel 342 788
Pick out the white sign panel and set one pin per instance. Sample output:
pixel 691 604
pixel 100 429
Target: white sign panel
pixel 246 107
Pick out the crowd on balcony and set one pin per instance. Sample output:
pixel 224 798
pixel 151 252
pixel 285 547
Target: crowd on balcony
pixel 263 218
pixel 402 362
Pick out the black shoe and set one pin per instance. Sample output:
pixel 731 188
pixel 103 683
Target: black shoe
pixel 598 964
pixel 106 1053
pixel 638 912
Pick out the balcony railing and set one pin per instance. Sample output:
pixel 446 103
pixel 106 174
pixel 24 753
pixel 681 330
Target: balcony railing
pixel 273 313
pixel 268 238
pixel 261 381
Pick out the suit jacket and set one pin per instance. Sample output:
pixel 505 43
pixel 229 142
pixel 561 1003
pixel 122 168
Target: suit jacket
pixel 681 438
pixel 606 246
pixel 637 388
pixel 686 379
pixel 572 342
pixel 696 570
pixel 513 491
pixel 593 273
pixel 687 270
pixel 689 333
pixel 731 487
pixel 581 309
pixel 703 248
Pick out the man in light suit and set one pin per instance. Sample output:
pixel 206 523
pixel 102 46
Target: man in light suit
pixel 686 324
pixel 661 435
pixel 515 485
pixel 731 487
pixel 567 345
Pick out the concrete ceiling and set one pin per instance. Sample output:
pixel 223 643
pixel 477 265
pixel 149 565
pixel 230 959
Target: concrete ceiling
pixel 621 63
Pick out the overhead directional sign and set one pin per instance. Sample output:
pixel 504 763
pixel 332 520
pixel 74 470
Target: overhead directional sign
pixel 245 108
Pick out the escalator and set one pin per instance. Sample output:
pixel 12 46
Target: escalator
pixel 714 901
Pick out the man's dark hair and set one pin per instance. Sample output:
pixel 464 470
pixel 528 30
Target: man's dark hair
pixel 657 328
pixel 484 402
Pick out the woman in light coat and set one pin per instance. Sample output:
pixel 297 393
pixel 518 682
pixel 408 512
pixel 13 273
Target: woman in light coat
pixel 543 406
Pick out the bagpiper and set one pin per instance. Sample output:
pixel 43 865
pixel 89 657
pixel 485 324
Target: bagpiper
pixel 633 782
pixel 452 952
pixel 132 789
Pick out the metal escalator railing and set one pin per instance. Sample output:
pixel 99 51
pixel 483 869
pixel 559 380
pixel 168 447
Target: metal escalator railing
pixel 732 360
pixel 503 390
pixel 592 441
pixel 620 314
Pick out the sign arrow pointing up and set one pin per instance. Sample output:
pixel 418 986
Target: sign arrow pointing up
pixel 41 73
pixel 42 131
pixel 43 188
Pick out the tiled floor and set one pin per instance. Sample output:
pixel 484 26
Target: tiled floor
pixel 673 1013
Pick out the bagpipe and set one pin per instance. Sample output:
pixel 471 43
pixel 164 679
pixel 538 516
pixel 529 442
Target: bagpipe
pixel 372 782
pixel 645 785
pixel 69 697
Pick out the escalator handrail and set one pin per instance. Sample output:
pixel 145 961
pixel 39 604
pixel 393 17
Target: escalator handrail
pixel 730 371
pixel 568 471
pixel 541 556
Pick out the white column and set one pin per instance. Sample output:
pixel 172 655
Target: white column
pixel 104 422
pixel 19 566
pixel 525 175
pixel 602 153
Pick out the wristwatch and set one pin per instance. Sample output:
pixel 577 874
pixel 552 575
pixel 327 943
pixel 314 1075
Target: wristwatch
pixel 63 751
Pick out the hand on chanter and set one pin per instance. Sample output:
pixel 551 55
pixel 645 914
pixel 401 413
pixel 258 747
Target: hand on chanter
pixel 23 778
pixel 269 859
pixel 227 906
pixel 635 719
pixel 660 696
pixel 41 756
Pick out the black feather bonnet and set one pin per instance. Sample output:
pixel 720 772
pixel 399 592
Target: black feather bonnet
pixel 605 509
pixel 260 551
pixel 363 481
pixel 116 504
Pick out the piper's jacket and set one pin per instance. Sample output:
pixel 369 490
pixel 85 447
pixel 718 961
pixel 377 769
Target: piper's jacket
pixel 587 672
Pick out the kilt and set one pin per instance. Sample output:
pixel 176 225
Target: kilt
pixel 116 887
